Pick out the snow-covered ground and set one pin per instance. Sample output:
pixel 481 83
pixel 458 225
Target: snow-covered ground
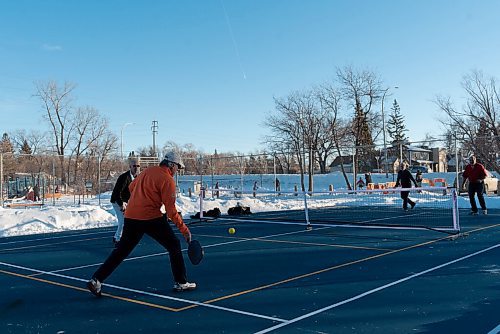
pixel 67 215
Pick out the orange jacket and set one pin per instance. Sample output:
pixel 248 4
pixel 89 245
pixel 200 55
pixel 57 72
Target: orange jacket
pixel 152 188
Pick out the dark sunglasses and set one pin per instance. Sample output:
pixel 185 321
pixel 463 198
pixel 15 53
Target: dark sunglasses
pixel 136 166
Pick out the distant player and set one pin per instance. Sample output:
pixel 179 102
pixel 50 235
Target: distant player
pixel 121 195
pixel 404 180
pixel 360 183
pixel 476 173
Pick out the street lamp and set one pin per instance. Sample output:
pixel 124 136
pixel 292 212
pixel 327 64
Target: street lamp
pixel 383 129
pixel 121 136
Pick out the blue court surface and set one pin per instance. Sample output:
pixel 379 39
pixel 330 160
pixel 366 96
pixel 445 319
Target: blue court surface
pixel 268 277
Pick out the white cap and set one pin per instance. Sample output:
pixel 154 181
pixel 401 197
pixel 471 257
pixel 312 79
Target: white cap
pixel 174 157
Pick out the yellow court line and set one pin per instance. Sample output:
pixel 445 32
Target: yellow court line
pixel 82 289
pixel 320 244
pixel 299 243
pixel 451 237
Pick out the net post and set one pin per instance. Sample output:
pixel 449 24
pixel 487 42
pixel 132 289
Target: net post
pixel 306 210
pixel 456 216
pixel 202 189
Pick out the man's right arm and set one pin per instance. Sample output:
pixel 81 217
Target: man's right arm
pixel 168 199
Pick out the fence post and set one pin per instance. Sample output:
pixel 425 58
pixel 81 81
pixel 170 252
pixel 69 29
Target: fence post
pixel 306 211
pixel 1 179
pixel 53 183
pixel 99 179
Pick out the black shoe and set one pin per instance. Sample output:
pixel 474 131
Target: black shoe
pixel 94 286
pixel 412 205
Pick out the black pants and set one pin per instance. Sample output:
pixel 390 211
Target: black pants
pixel 478 188
pixel 406 199
pixel 133 230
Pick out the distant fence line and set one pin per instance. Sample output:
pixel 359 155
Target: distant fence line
pixel 90 174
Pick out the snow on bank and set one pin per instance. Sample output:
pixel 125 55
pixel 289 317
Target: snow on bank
pixel 67 216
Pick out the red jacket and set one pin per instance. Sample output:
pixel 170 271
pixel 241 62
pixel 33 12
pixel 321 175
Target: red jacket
pixel 474 173
pixel 152 188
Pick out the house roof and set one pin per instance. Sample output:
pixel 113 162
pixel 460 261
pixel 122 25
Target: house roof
pixel 347 159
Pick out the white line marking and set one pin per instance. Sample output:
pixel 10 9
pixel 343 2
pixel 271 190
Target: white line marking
pixel 495 330
pixel 149 293
pixel 346 225
pixel 52 238
pixel 184 250
pixel 50 244
pixel 364 294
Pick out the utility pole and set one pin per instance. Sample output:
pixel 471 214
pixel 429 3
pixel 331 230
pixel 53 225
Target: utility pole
pixel 154 129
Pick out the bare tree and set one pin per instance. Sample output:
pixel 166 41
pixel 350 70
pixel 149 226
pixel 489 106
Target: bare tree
pixel 362 90
pixel 290 124
pixel 337 132
pixel 89 127
pixel 57 105
pixel 477 124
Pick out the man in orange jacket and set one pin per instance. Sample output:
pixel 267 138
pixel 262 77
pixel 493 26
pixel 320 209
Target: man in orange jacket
pixel 152 189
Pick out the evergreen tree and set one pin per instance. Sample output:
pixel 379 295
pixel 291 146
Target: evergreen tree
pixel 364 141
pixel 25 148
pixel 6 145
pixel 396 125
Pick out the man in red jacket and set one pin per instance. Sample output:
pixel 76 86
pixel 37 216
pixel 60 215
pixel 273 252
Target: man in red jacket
pixel 152 189
pixel 476 173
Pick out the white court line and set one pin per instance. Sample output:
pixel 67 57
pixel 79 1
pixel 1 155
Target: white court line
pixel 495 330
pixel 367 293
pixel 150 294
pixel 53 238
pixel 207 246
pixel 346 225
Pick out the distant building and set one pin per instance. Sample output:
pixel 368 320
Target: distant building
pixel 432 158
pixel 345 160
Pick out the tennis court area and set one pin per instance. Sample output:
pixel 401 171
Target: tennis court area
pixel 271 276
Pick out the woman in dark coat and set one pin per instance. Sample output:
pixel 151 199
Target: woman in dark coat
pixel 404 180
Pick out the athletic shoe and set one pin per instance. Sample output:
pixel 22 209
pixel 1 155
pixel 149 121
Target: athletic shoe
pixel 184 286
pixel 406 209
pixel 413 205
pixel 485 212
pixel 94 286
pixel 473 213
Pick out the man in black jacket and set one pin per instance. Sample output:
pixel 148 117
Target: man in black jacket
pixel 121 195
pixel 405 179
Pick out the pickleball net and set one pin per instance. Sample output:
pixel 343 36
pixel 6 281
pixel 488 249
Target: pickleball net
pixel 435 207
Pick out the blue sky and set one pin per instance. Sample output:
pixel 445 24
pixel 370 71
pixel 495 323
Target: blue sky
pixel 211 83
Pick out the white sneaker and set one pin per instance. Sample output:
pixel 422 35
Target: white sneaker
pixel 94 286
pixel 485 212
pixel 184 286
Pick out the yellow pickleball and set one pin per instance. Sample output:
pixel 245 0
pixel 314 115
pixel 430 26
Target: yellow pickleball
pixel 232 230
